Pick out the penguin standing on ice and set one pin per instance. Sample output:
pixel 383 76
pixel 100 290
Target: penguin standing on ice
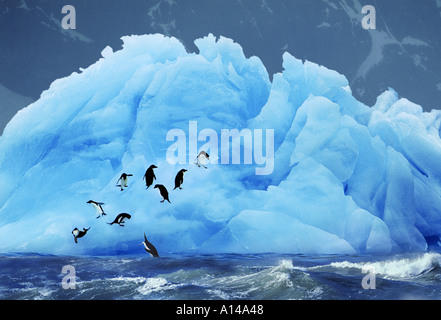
pixel 202 159
pixel 150 176
pixel 179 179
pixel 124 180
pixel 98 208
pixel 163 191
pixel 120 219
pixel 150 248
pixel 79 234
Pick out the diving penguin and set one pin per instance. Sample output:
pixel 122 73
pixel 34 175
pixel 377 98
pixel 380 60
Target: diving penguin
pixel 149 176
pixel 163 191
pixel 179 179
pixel 79 234
pixel 120 219
pixel 202 159
pixel 124 180
pixel 150 248
pixel 98 208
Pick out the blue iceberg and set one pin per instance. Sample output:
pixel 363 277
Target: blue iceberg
pixel 346 178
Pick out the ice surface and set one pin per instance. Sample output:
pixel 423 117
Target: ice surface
pixel 347 178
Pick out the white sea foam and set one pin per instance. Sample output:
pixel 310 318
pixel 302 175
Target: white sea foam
pixel 155 284
pixel 398 268
pixel 146 286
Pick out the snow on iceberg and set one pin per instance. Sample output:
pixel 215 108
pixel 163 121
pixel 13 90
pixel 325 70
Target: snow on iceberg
pixel 347 178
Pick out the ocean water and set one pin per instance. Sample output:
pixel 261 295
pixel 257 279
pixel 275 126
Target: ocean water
pixel 220 277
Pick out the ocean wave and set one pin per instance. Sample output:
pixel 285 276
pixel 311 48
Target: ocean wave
pixel 127 287
pixel 223 277
pixel 397 268
pixel 281 281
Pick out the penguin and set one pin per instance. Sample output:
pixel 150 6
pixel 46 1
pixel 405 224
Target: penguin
pixel 124 180
pixel 150 176
pixel 120 219
pixel 202 159
pixel 150 248
pixel 163 191
pixel 98 208
pixel 79 234
pixel 179 180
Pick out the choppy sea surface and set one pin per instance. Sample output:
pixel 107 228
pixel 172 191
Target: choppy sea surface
pixel 221 276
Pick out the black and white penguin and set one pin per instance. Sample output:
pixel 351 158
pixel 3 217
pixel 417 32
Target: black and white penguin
pixel 79 234
pixel 163 191
pixel 98 208
pixel 150 248
pixel 179 179
pixel 124 180
pixel 202 159
pixel 149 176
pixel 120 219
